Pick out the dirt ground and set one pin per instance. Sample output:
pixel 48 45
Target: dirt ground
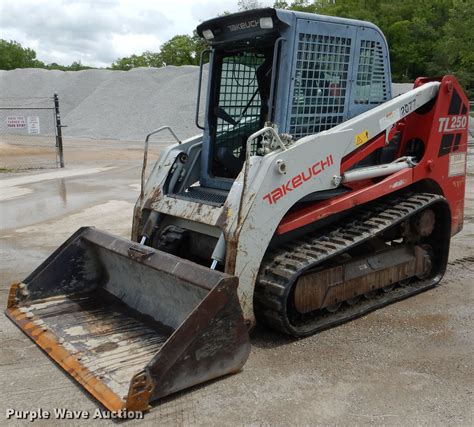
pixel 408 364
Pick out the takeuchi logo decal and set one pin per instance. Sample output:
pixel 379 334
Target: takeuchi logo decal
pixel 300 179
pixel 243 25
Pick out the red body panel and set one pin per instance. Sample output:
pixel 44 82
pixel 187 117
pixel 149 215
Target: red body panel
pixel 442 169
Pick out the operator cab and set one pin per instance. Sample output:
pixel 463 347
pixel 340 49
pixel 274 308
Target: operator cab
pixel 299 72
pixel 242 64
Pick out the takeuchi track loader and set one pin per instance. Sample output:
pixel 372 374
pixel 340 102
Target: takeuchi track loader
pixel 311 197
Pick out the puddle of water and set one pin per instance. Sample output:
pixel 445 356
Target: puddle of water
pixel 13 193
pixel 62 190
pixel 44 200
pixel 62 173
pixel 113 216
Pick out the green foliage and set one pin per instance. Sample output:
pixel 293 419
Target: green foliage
pixel 179 50
pixel 454 53
pixel 75 66
pixel 182 50
pixel 425 38
pixel 13 55
pixel 248 4
pixel 134 61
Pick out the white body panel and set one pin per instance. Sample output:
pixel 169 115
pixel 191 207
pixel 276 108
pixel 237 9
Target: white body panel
pixel 311 164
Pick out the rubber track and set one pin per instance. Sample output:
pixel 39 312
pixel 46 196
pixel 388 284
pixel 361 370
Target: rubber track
pixel 281 267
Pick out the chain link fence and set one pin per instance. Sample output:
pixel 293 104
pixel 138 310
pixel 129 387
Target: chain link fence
pixel 30 133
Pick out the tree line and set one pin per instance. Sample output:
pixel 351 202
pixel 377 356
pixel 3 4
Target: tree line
pixel 425 38
pixel 179 50
pixel 14 55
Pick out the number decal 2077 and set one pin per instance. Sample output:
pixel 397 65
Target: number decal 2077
pixel 408 107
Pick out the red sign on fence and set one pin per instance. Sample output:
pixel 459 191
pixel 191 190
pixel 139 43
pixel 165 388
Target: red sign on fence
pixel 16 122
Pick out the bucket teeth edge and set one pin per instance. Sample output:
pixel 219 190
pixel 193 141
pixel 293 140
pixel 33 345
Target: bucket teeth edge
pixel 50 344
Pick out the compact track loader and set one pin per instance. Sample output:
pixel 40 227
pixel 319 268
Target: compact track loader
pixel 310 198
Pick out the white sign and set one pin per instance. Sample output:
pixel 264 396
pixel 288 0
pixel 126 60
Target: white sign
pixel 457 164
pixel 389 119
pixel 33 125
pixel 16 122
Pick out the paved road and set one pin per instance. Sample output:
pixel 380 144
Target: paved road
pixel 410 363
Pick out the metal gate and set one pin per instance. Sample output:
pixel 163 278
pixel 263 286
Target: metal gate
pixel 30 133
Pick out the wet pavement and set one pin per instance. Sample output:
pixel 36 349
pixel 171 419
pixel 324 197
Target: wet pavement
pixel 409 363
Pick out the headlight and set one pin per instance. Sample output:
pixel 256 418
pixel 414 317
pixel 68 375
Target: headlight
pixel 208 35
pixel 266 23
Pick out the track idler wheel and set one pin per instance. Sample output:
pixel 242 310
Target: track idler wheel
pixel 334 307
pixel 353 301
pixel 425 222
pixel 370 295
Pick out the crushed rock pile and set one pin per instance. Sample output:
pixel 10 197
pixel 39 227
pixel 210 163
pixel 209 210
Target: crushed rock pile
pixel 124 105
pixel 105 104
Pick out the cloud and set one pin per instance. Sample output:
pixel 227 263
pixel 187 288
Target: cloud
pixel 97 32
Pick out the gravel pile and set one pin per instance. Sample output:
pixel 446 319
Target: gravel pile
pixel 123 105
pixel 399 88
pixel 107 104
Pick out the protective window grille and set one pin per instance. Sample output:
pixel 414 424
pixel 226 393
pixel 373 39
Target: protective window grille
pixel 320 86
pixel 371 84
pixel 240 99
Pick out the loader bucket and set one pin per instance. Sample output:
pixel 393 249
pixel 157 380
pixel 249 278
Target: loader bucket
pixel 130 323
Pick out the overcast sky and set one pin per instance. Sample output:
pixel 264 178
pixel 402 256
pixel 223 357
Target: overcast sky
pixel 97 32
